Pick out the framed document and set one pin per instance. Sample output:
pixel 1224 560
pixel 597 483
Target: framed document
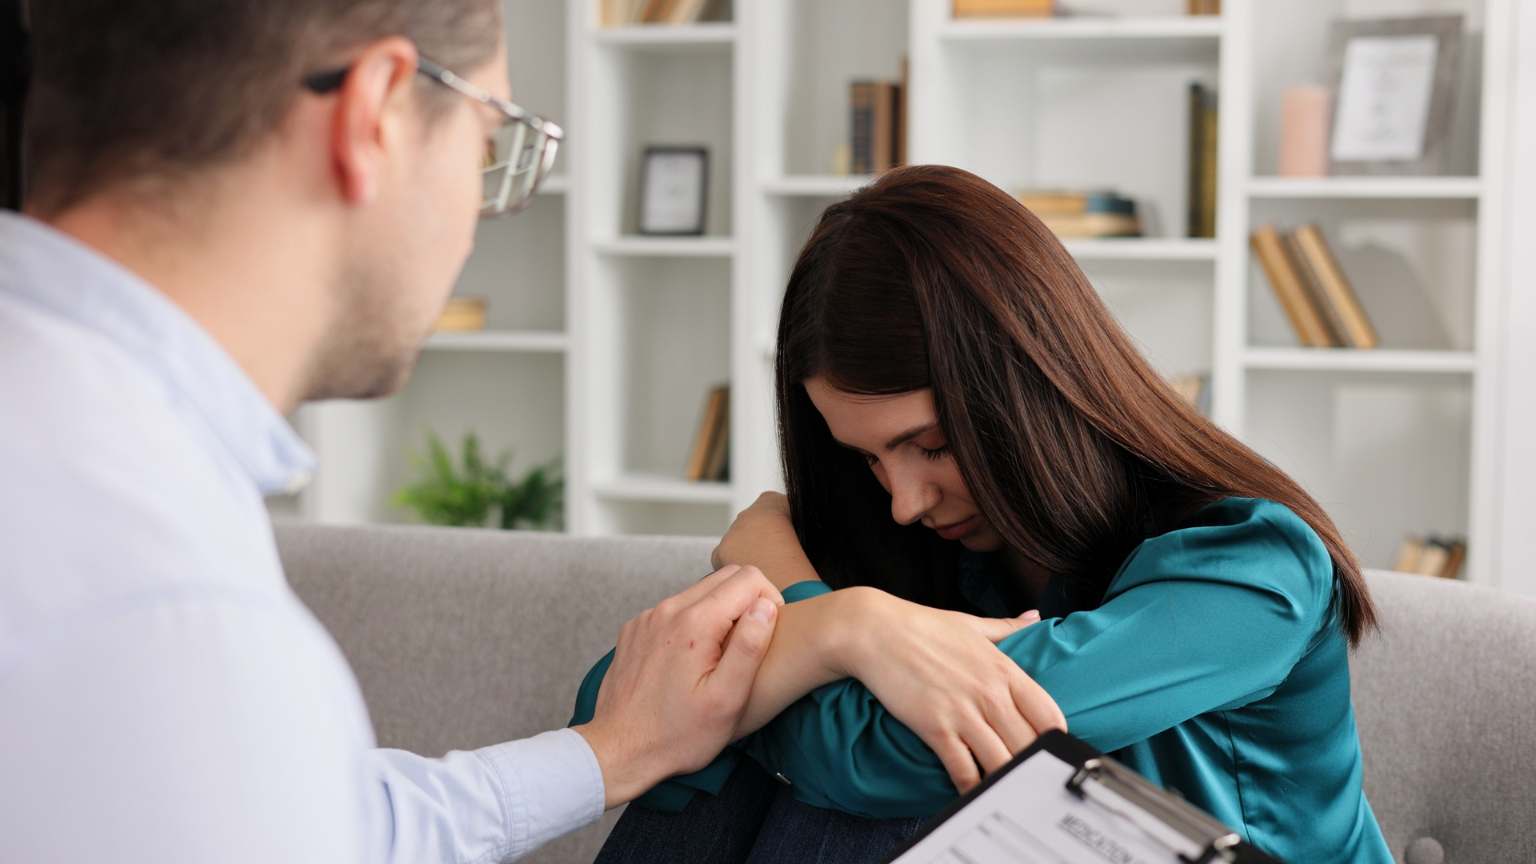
pixel 1394 82
pixel 674 185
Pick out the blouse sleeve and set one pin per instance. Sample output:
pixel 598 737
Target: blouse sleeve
pixel 1206 618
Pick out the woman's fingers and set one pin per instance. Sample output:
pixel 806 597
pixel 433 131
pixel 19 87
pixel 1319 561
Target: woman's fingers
pixel 1037 706
pixel 1006 716
pixel 998 629
pixel 958 762
pixel 984 742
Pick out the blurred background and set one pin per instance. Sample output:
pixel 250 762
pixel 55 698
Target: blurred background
pixel 1307 213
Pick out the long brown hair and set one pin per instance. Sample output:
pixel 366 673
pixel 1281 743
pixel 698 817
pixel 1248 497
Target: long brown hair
pixel 1072 446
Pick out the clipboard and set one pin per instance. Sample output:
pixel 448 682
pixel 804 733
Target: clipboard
pixel 1061 802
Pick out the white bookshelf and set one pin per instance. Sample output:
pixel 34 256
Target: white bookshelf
pixel 637 329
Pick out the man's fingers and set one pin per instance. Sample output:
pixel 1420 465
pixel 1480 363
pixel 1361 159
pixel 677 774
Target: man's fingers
pixel 1037 706
pixel 744 651
pixel 958 762
pixel 695 592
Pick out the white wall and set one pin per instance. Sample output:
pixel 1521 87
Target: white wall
pixel 1517 391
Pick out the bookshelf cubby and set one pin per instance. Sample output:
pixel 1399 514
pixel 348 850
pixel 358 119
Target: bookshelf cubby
pixel 636 329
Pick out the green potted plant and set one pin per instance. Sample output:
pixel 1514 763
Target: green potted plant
pixel 472 492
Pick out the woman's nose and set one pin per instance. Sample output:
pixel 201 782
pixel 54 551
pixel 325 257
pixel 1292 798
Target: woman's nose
pixel 911 498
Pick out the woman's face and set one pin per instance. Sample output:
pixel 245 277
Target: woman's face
pixel 899 436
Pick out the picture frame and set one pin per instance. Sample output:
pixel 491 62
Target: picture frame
pixel 1394 83
pixel 674 191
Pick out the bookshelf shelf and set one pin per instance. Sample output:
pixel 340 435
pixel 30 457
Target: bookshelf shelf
pixel 1204 30
pixel 1407 188
pixel 667 247
pixel 1143 249
pixel 509 341
pixel 1347 360
pixel 701 37
pixel 651 487
pixel 817 185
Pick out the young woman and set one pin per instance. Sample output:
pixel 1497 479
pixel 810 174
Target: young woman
pixel 965 427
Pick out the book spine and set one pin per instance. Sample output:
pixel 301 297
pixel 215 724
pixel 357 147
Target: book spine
pixel 1287 287
pixel 1338 294
pixel 1196 152
pixel 883 147
pixel 1209 132
pixel 1312 284
pixel 704 439
pixel 861 117
pixel 1004 8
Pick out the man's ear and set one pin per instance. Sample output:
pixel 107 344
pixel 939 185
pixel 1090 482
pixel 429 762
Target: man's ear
pixel 370 115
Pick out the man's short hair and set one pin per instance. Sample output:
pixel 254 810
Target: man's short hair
pixel 124 90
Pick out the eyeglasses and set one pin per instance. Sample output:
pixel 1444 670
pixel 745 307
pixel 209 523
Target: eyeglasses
pixel 518 156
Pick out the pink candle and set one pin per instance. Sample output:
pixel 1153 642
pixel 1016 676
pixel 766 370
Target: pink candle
pixel 1304 121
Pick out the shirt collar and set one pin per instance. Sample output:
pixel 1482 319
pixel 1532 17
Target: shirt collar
pixel 71 280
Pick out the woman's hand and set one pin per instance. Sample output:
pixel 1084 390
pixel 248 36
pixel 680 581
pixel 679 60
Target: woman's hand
pixel 939 673
pixel 763 536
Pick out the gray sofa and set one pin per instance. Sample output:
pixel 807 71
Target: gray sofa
pixel 467 638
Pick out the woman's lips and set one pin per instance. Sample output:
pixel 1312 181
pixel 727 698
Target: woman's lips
pixel 959 529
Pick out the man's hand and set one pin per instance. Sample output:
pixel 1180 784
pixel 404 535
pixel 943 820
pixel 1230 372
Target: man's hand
pixel 680 680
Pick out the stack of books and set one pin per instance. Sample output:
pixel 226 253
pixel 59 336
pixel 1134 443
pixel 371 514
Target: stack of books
pixel 1004 8
pixel 710 458
pixel 877 124
pixel 462 313
pixel 1083 214
pixel 1432 556
pixel 621 13
pixel 1312 289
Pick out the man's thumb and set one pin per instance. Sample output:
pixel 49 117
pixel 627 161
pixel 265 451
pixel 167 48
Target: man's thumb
pixel 745 647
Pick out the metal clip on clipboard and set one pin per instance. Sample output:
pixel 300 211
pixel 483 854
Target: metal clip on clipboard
pixel 1165 818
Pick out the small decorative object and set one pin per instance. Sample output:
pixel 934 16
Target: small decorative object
pixel 673 188
pixel 463 313
pixel 477 494
pixel 1304 132
pixel 1394 80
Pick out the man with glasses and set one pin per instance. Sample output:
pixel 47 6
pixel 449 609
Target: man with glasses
pixel 236 207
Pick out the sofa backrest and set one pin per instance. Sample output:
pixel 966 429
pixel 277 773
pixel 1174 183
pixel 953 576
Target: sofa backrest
pixel 1445 698
pixel 465 638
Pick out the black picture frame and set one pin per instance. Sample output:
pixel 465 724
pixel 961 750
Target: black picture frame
pixel 692 223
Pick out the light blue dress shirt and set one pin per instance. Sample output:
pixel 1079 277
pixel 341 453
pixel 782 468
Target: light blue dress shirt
pixel 164 696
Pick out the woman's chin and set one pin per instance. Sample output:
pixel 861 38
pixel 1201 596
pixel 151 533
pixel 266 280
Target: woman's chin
pixel 983 539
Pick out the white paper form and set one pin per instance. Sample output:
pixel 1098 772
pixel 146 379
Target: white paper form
pixel 1030 817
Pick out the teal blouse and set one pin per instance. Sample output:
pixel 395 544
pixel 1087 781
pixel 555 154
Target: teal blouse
pixel 1215 666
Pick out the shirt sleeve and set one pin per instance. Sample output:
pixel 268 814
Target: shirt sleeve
pixel 493 804
pixel 1200 619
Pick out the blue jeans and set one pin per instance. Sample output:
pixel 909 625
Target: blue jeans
pixel 755 819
